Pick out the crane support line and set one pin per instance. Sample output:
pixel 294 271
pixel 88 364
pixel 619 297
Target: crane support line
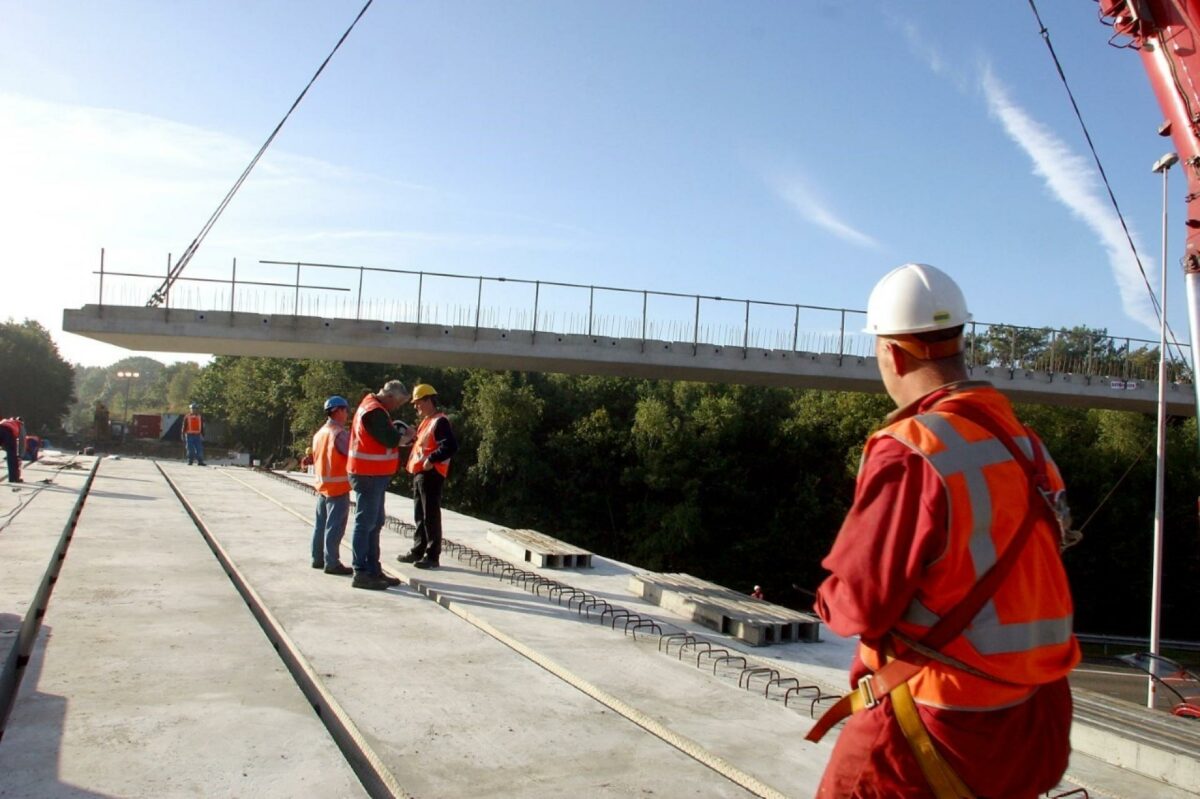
pixel 160 294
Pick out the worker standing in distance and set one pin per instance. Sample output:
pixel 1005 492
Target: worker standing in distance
pixel 429 464
pixel 374 457
pixel 193 434
pixel 12 438
pixel 330 453
pixel 948 568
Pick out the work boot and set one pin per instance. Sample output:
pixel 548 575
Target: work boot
pixel 369 582
pixel 202 463
pixel 427 563
pixel 408 558
pixel 339 569
pixel 318 564
pixel 189 463
pixel 391 581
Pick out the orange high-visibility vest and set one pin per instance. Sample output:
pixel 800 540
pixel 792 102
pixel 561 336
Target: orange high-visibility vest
pixel 425 444
pixel 193 423
pixel 368 456
pixel 1023 635
pixel 329 465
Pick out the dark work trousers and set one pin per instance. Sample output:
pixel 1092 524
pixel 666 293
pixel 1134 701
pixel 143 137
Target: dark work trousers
pixel 427 513
pixel 9 442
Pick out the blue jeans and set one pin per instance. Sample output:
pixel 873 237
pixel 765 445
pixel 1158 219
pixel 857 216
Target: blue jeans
pixel 369 516
pixel 328 528
pixel 195 447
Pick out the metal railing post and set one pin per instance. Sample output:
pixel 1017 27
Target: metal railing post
pixel 591 305
pixel 973 336
pixel 101 299
pixel 643 321
pixel 1053 347
pixel 232 289
pixel 358 304
pixel 1012 352
pixel 167 290
pixel 746 333
pixel 842 337
pixel 420 292
pixel 1125 364
pixel 478 305
pixel 696 328
pixel 296 305
pixel 796 330
pixel 537 296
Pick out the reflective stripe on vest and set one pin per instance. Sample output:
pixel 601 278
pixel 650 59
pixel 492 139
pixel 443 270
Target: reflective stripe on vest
pixel 425 444
pixel 192 423
pixel 368 456
pixel 329 465
pixel 1023 634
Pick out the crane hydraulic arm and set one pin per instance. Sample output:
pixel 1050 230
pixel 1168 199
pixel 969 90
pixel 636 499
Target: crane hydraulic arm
pixel 1166 33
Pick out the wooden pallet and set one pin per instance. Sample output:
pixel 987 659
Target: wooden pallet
pixel 754 621
pixel 540 550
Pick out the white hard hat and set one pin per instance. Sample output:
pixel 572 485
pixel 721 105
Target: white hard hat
pixel 915 298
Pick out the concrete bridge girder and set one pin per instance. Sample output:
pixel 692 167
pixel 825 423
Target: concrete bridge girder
pixel 286 336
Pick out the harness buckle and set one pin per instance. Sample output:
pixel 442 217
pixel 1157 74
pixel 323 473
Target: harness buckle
pixel 867 691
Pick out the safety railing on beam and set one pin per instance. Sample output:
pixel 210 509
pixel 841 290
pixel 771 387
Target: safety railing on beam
pixel 553 307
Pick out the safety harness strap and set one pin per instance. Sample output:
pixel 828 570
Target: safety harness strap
pixel 942 778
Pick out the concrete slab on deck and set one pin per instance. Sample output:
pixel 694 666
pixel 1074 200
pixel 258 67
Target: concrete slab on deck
pixel 32 515
pixel 151 678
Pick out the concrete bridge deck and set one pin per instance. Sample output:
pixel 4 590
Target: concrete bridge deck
pixel 151 676
pixel 288 336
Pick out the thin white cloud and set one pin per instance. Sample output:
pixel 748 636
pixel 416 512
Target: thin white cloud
pixel 1073 182
pixel 796 193
pixel 76 178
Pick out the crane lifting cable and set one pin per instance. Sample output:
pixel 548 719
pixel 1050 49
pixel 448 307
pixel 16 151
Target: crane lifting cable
pixel 1045 34
pixel 160 294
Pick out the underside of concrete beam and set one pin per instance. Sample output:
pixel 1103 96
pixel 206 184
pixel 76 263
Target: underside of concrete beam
pixel 285 336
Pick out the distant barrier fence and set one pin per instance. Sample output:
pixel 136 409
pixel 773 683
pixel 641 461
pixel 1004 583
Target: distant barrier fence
pixel 558 307
pixel 1123 642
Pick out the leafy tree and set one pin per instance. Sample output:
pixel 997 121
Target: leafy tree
pixel 35 382
pixel 255 397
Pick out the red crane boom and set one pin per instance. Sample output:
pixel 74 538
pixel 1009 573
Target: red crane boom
pixel 1166 33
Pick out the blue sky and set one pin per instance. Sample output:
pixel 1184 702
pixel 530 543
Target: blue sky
pixel 781 151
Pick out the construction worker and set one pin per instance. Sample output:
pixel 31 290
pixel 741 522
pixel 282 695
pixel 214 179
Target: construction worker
pixel 948 568
pixel 193 434
pixel 374 457
pixel 330 452
pixel 429 464
pixel 12 438
pixel 757 593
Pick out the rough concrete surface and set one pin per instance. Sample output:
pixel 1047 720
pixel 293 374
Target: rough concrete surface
pixel 151 678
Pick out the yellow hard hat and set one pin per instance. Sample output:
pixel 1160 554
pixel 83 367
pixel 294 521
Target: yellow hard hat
pixel 423 390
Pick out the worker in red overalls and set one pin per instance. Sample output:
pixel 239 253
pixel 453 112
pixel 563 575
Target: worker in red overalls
pixel 949 484
pixel 12 438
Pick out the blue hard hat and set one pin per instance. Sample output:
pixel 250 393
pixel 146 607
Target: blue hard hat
pixel 335 402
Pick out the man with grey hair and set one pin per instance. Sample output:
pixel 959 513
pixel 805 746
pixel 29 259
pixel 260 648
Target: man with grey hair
pixel 374 457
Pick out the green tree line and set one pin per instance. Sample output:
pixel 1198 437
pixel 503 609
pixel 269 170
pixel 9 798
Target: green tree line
pixel 735 484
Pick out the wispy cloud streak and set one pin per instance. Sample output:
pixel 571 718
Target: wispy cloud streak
pixel 804 201
pixel 1073 182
